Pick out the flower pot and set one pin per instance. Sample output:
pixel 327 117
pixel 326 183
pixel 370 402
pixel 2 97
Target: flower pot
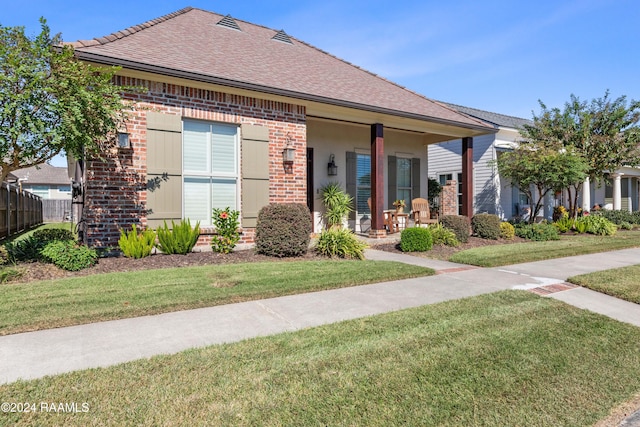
pixel 399 209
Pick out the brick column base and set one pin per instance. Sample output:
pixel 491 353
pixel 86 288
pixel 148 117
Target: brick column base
pixel 377 234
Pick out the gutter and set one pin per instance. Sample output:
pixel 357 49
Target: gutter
pixel 170 72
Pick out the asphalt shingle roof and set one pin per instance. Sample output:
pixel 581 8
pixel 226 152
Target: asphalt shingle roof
pixel 43 174
pixel 500 120
pixel 189 43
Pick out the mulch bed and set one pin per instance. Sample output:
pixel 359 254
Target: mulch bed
pixel 42 271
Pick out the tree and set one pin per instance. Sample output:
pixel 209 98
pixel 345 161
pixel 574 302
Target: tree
pixel 544 169
pixel 51 102
pixel 604 132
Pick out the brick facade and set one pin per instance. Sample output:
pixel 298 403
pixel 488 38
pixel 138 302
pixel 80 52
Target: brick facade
pixel 116 185
pixel 449 198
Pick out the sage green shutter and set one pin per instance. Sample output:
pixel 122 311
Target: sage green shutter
pixel 351 185
pixel 255 172
pixel 415 178
pixel 391 180
pixel 164 168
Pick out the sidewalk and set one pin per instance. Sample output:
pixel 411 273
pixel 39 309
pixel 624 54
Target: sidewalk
pixel 50 352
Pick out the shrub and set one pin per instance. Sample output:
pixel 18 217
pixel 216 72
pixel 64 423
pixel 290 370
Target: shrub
pixel 136 245
pixel 459 224
pixel 596 224
pixel 342 243
pixel 626 225
pixel 25 250
pixel 68 255
pixel 486 226
pixel 180 239
pixel 617 217
pixel 416 239
pixel 51 234
pixel 560 212
pixel 283 229
pixel 443 236
pixel 580 226
pixel 538 232
pixel 507 231
pixel 227 234
pixel 564 224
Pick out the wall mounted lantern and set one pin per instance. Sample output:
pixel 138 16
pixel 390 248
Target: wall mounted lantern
pixel 288 156
pixel 123 140
pixel 332 168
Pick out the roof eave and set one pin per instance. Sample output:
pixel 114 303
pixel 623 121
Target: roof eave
pixel 171 72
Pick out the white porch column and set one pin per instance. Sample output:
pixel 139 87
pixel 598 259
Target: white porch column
pixel 586 195
pixel 617 191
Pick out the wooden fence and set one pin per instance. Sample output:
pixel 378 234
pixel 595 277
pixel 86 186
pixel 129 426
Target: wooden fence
pixel 56 210
pixel 19 210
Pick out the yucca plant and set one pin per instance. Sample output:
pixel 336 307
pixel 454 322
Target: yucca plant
pixel 337 203
pixel 136 245
pixel 180 239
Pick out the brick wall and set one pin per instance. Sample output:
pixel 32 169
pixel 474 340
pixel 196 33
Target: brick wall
pixel 449 198
pixel 116 184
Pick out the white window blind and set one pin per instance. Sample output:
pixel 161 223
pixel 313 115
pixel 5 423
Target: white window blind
pixel 210 167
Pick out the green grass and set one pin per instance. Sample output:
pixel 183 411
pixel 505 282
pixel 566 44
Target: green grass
pixel 72 301
pixel 503 359
pixel 498 255
pixel 27 233
pixel 621 283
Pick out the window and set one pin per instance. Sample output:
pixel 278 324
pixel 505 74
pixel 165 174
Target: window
pixel 39 190
pixel 443 178
pixel 363 183
pixel 210 169
pixel 64 189
pixel 403 180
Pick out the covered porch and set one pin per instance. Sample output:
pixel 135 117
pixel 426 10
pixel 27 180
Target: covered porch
pixel 378 162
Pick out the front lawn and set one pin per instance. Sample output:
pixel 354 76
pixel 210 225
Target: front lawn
pixel 504 359
pixel 73 301
pixel 499 255
pixel 621 283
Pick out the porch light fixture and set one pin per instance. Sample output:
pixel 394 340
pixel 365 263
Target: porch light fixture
pixel 288 155
pixel 332 168
pixel 123 140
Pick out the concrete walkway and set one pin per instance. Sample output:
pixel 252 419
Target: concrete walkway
pixel 49 352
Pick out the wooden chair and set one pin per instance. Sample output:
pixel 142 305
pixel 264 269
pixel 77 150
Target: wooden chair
pixel 421 213
pixel 387 218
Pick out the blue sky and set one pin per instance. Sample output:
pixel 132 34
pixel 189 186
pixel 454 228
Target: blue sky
pixel 500 56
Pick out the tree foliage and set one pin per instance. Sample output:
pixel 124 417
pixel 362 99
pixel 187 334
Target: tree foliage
pixel 605 132
pixel 51 102
pixel 538 170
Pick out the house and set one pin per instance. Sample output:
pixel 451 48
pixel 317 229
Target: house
pixel 46 181
pixel 236 114
pixel 53 186
pixel 496 195
pixel 491 193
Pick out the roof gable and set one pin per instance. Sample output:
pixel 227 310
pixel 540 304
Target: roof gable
pixel 190 42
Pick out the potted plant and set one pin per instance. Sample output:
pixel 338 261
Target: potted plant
pixel 337 204
pixel 399 205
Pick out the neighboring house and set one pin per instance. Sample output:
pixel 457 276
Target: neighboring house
pixel 46 181
pixel 491 194
pixel 53 185
pixel 496 195
pixel 239 115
